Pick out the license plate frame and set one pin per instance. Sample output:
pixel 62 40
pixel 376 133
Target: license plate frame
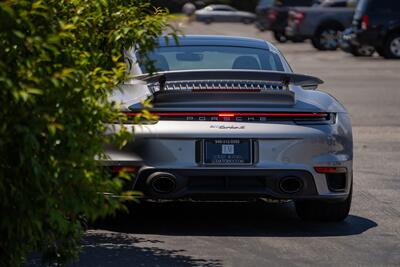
pixel 232 159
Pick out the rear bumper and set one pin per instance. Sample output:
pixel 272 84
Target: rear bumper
pixel 233 184
pixel 279 151
pixel 369 38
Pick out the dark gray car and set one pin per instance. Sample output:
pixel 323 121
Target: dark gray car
pixel 223 13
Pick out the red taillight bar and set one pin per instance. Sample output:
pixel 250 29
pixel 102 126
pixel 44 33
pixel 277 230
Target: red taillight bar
pixel 298 15
pixel 321 169
pixel 226 114
pixel 127 169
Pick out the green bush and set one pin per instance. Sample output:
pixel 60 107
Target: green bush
pixel 59 59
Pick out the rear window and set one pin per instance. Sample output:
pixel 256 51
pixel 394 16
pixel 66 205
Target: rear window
pixel 376 6
pixel 384 6
pixel 214 57
pixel 294 2
pixel 360 9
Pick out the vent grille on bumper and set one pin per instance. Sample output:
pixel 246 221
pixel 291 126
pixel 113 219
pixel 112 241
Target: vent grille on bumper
pixel 336 181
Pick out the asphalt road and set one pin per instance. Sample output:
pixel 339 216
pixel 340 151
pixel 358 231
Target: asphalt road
pixel 261 234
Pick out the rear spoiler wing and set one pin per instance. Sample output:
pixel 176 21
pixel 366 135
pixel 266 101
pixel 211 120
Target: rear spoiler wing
pixel 256 75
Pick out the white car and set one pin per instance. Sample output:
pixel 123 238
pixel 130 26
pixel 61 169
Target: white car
pixel 223 13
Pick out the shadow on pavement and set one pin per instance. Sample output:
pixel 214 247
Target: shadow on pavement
pixel 103 248
pixel 227 219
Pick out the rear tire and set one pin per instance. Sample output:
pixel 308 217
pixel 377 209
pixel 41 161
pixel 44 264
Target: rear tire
pixel 391 48
pixel 208 21
pixel 261 29
pixel 280 37
pixel 327 38
pixel 314 43
pixel 363 51
pixel 297 39
pixel 260 26
pixel 379 50
pixel 324 211
pixel 247 21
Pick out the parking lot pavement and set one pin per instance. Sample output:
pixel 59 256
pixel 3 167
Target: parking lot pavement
pixel 260 234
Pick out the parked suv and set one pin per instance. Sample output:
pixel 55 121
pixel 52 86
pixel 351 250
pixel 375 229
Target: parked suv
pixel 377 23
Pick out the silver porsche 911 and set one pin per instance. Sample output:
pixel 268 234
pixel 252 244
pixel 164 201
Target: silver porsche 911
pixel 234 123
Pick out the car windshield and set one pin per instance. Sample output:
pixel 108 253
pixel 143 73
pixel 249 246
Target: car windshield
pixel 215 57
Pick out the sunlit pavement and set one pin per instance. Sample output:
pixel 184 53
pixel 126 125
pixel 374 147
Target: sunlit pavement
pixel 260 234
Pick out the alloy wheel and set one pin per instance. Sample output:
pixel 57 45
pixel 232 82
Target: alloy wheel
pixel 366 50
pixel 395 47
pixel 329 39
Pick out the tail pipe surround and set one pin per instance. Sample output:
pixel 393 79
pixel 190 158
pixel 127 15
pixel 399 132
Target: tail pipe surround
pixel 162 182
pixel 291 185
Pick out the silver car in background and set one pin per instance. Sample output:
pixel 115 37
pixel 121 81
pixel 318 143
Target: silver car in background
pixel 223 13
pixel 234 123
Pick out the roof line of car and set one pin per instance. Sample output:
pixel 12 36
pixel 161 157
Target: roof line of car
pixel 234 41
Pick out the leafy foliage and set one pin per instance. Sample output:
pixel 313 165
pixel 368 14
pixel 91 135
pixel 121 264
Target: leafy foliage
pixel 59 59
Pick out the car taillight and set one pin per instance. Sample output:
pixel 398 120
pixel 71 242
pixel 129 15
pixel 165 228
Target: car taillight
pixel 261 117
pixel 126 169
pixel 298 17
pixel 364 22
pixel 272 15
pixel 322 169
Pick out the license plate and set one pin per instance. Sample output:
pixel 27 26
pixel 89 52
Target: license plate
pixel 228 152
